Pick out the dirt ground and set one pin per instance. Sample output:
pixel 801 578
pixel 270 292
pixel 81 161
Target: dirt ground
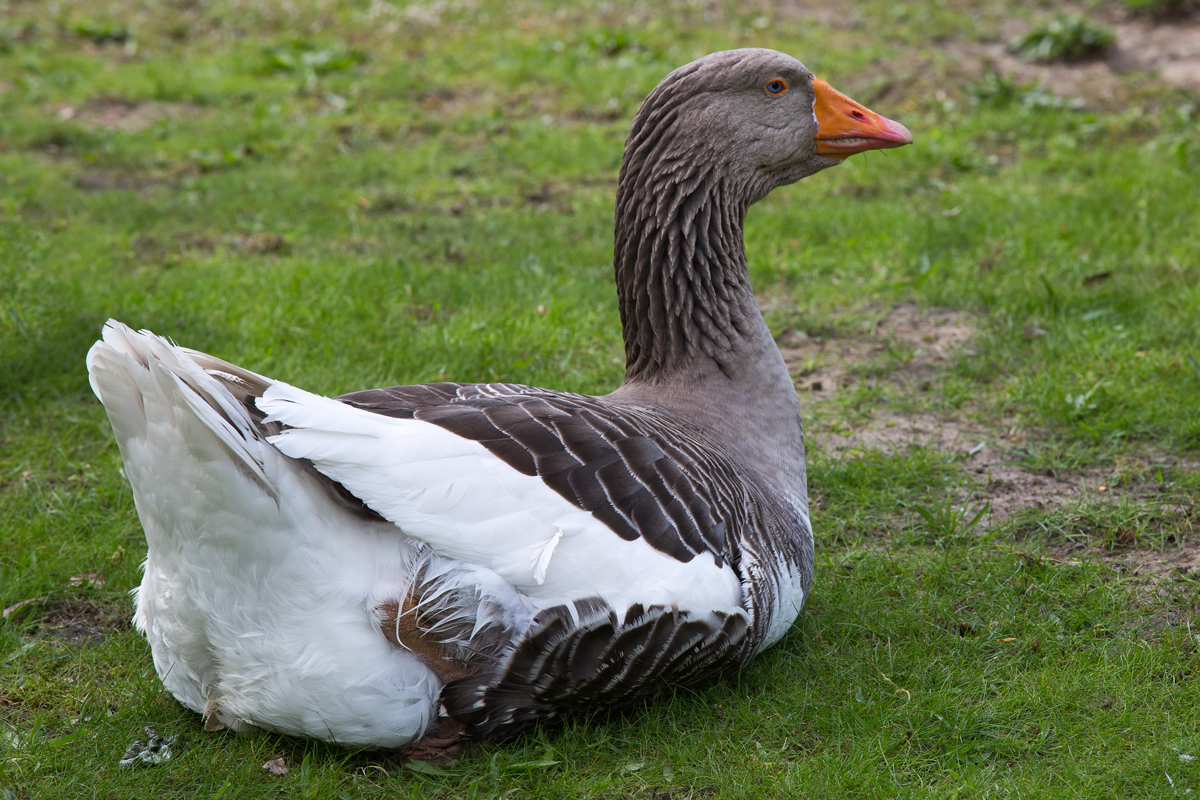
pixel 69 619
pixel 118 113
pixel 907 348
pixel 1168 51
pixel 930 339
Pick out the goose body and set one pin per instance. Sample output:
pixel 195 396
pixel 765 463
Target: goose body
pixel 405 567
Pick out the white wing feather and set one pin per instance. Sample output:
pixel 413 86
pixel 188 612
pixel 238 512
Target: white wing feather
pixel 469 505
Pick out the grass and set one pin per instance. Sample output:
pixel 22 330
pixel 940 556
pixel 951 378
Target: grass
pixel 346 195
pixel 1062 38
pixel 1161 8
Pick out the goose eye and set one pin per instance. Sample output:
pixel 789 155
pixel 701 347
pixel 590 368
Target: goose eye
pixel 776 86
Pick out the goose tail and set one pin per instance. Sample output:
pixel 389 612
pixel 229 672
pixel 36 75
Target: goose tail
pixel 145 381
pixel 249 555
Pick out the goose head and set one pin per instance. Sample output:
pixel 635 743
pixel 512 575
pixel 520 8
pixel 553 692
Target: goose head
pixel 759 117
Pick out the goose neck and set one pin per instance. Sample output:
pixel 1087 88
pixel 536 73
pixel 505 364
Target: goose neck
pixel 687 309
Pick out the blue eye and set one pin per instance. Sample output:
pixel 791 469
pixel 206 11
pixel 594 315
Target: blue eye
pixel 776 86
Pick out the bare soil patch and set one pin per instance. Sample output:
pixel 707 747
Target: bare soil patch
pixel 905 344
pixel 72 620
pixel 1180 558
pixel 265 243
pixel 909 349
pixel 83 622
pixel 104 180
pixel 1170 48
pixel 121 114
pixel 1169 52
pixel 1154 570
pixel 448 104
pixel 168 249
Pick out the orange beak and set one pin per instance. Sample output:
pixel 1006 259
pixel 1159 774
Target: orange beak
pixel 844 127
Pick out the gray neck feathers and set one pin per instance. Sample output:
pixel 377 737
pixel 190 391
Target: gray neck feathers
pixel 679 255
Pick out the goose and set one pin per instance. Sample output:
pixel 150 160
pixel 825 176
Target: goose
pixel 418 566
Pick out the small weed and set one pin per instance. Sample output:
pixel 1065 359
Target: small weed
pixel 998 90
pixel 1161 9
pixel 1187 153
pixel 1053 457
pixel 218 160
pixel 946 525
pixel 606 43
pixel 101 33
pixel 1083 404
pixel 309 62
pixel 609 42
pixel 64 138
pixel 1064 38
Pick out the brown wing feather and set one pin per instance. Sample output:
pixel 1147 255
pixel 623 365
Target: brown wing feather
pixel 640 472
pixel 600 661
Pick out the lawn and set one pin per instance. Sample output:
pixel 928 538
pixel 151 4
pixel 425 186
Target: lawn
pixel 995 335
